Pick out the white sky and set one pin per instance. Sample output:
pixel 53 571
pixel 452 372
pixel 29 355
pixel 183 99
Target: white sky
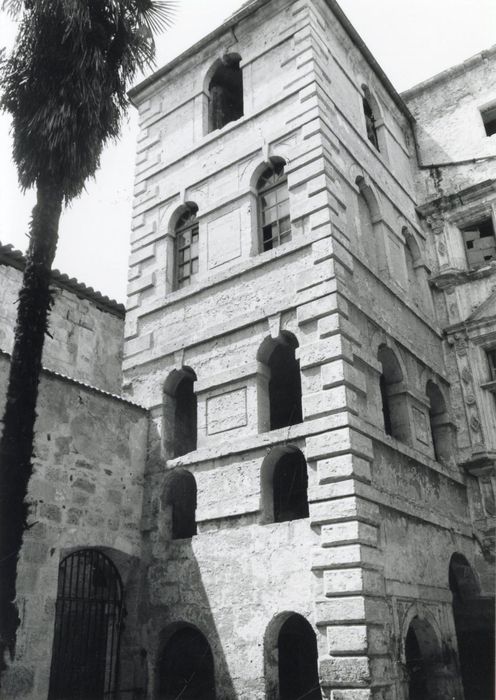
pixel 411 39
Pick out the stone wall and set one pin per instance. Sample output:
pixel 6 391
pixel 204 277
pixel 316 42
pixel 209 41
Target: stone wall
pixel 86 328
pixel 86 491
pixel 379 537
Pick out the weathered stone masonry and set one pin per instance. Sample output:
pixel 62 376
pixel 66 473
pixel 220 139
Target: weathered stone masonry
pixel 368 298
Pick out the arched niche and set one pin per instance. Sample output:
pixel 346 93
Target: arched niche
pixel 224 88
pixel 417 272
pixel 393 395
pixel 370 223
pixel 179 421
pixel 291 659
pixel 375 128
pixel 185 665
pixel 475 630
pixel 440 424
pixel 284 485
pixel 283 390
pixel 179 503
pixel 423 661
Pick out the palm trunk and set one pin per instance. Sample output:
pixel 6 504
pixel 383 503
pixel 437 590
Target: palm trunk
pixel 16 444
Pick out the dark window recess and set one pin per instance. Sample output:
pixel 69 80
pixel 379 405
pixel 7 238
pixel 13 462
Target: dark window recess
pixel 289 487
pixel 186 667
pixel 480 242
pixel 226 93
pixel 186 248
pixel 298 670
pixel 491 359
pixel 417 684
pixel 489 120
pixel 385 406
pixel 474 624
pixel 274 207
pixel 181 497
pixel 88 617
pixel 284 387
pixel 185 419
pixel 370 123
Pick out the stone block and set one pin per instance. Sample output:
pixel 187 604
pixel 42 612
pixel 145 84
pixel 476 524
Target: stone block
pixel 347 639
pixel 344 670
pixel 353 581
pixel 340 610
pixel 346 555
pixel 338 442
pixel 351 694
pixel 325 350
pixel 343 467
pixel 313 310
pixel 347 532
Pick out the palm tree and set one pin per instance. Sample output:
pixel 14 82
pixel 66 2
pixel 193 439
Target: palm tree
pixel 65 87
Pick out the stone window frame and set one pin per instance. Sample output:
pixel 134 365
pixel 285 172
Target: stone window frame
pixel 228 57
pixel 180 517
pixel 365 189
pixel 186 225
pixel 265 399
pixel 169 409
pixel 470 216
pixel 280 184
pixel 488 118
pixel 267 492
pixel 379 144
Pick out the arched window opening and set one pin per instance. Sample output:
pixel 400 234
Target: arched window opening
pixel 423 660
pixel 180 413
pixel 289 487
pixel 185 667
pixel 226 92
pixel 88 620
pixel 186 252
pixel 394 406
pixel 180 495
pixel 291 660
pixel 273 205
pixel 370 123
pixel 368 216
pixel 474 624
pixel 284 387
pixel 439 423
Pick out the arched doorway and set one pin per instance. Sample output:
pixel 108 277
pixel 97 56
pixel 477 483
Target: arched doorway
pixel 291 659
pixel 85 658
pixel 423 661
pixel 474 624
pixel 185 667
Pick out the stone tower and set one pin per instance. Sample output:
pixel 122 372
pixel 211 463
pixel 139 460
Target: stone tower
pixel 302 488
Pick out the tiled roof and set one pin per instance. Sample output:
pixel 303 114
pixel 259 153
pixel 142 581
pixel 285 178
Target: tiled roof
pixel 10 256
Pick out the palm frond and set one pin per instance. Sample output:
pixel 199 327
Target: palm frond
pixel 66 82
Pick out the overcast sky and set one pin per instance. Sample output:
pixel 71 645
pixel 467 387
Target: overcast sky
pixel 411 39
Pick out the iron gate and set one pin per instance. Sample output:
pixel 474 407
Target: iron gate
pixel 88 619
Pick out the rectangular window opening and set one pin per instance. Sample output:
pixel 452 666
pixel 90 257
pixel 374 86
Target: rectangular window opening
pixel 489 120
pixel 491 360
pixel 480 242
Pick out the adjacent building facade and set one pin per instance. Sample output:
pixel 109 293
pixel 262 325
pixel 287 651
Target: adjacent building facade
pixel 311 328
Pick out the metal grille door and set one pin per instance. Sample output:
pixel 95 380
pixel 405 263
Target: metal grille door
pixel 87 628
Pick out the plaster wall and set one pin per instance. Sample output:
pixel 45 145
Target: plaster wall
pixel 450 127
